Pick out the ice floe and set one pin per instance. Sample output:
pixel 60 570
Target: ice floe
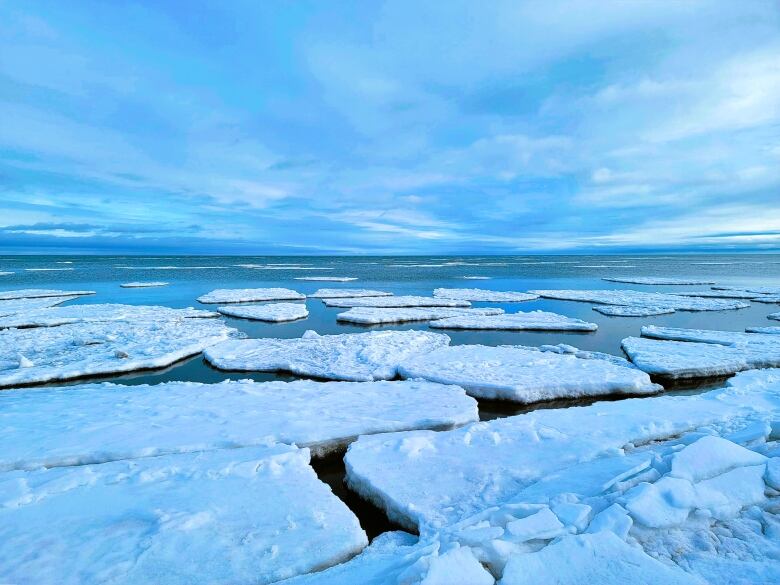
pixel 47 269
pixel 529 321
pixel 85 348
pixel 253 515
pixel 13 306
pixel 250 295
pixel 633 298
pixel 38 293
pixel 282 267
pixel 378 316
pixel 95 423
pixel 764 290
pixel 475 277
pixel 774 316
pixel 327 278
pixel 399 301
pixel 5 273
pixel 526 374
pixel 348 293
pixel 148 284
pixel 479 294
pixel 657 281
pixel 358 357
pixel 770 330
pixel 274 312
pixel 632 311
pixel 719 294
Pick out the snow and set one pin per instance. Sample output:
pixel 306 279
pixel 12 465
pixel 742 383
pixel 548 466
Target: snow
pixel 274 312
pixel 652 280
pixel 393 301
pixel 148 284
pixel 250 295
pixel 478 294
pixel 13 306
pixel 631 311
pixel 359 357
pixel 532 320
pixel 378 316
pixel 88 348
pixel 96 423
pixel 342 293
pixel 253 515
pixel 525 374
pixel 327 278
pixel 633 298
pixel 37 293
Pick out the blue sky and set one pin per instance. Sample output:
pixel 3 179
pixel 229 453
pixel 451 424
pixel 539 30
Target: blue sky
pixel 389 127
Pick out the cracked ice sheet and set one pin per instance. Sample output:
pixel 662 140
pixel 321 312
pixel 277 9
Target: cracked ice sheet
pixel 149 284
pixel 428 479
pixel 378 316
pixel 99 313
pixel 38 293
pixel 96 423
pixel 250 295
pixel 273 312
pixel 525 374
pixel 14 306
pixel 346 293
pixel 520 321
pixel 47 354
pixel 357 357
pixel 479 294
pixel 393 301
pixel 167 520
pixel 656 281
pixel 633 298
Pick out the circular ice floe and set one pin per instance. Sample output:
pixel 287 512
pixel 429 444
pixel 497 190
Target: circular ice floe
pixel 273 312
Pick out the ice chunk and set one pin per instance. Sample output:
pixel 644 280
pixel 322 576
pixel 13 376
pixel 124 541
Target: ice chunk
pixel 347 293
pixel 724 495
pixel 614 519
pixel 148 284
pixel 377 316
pixel 765 290
pixel 656 280
pixel 633 298
pixel 524 374
pixel 97 423
pixel 662 504
pixel 455 567
pixel 478 294
pixel 393 301
pixel 772 474
pixel 541 525
pixel 39 293
pixel 13 306
pixel 327 278
pixel 572 514
pixel 358 357
pixel 730 338
pixel 531 321
pixel 90 348
pixel 711 456
pixel 774 316
pixel 630 311
pixel 250 295
pixel 765 330
pixel 274 312
pixel 253 515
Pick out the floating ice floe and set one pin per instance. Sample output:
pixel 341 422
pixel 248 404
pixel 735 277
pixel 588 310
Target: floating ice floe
pixel 767 299
pixel 770 330
pixel 399 301
pixel 149 284
pixel 253 515
pixel 763 290
pixel 327 278
pixel 47 269
pixel 95 423
pixel 633 298
pixel 774 316
pixel 520 321
pixel 475 277
pixel 468 470
pixel 479 294
pixel 657 281
pixel 605 266
pixel 98 313
pixel 274 312
pixel 250 295
pixel 5 273
pixel 85 348
pixel 348 293
pixel 719 294
pixel 526 374
pixel 691 353
pixel 358 357
pixel 378 316
pixel 38 293
pixel 282 267
pixel 631 311
pixel 13 306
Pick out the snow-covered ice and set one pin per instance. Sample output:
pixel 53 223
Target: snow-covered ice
pixel 769 330
pixel 327 278
pixel 38 293
pixel 250 295
pixel 632 311
pixel 774 316
pixel 764 290
pixel 378 316
pixel 652 280
pixel 526 374
pixel 274 312
pixel 475 277
pixel 530 321
pixel 479 294
pixel 95 423
pixel 348 293
pixel 393 301
pixel 147 284
pixel 253 515
pixel 13 306
pixel 719 294
pixel 730 338
pixel 73 350
pixel 5 273
pixel 633 298
pixel 358 357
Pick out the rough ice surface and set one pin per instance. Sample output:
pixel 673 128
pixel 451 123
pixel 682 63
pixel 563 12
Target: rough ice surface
pixel 13 306
pixel 95 423
pixel 399 301
pixel 253 515
pixel 38 293
pixel 525 374
pixel 99 313
pixel 479 294
pixel 85 348
pixel 357 357
pixel 147 284
pixel 250 295
pixel 274 312
pixel 632 311
pixel 378 316
pixel 633 298
pixel 652 280
pixel 348 293
pixel 530 321
pixel 327 278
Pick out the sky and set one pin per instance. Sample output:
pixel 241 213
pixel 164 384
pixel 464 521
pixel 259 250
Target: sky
pixel 437 127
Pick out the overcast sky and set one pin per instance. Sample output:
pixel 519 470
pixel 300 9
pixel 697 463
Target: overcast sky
pixel 389 127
